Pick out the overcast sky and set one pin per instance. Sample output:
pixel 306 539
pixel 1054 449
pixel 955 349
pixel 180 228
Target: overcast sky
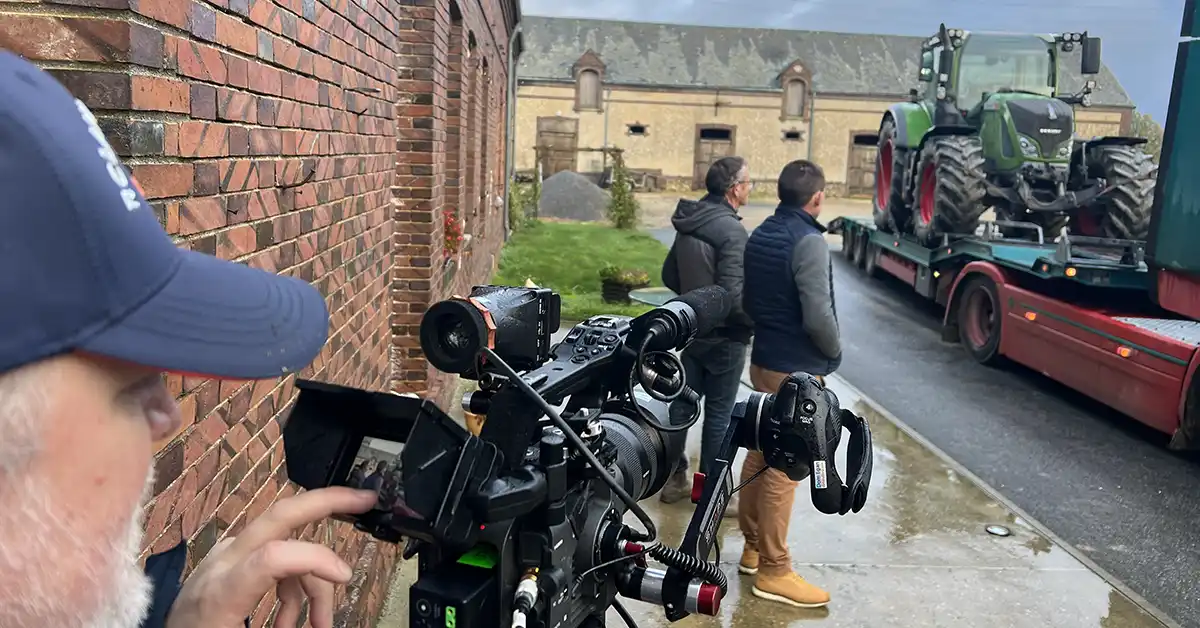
pixel 1139 43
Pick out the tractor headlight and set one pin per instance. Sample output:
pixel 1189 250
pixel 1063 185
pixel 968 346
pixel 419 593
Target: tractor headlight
pixel 1064 151
pixel 1028 148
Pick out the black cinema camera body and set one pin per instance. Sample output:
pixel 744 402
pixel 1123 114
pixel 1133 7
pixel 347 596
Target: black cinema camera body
pixel 524 525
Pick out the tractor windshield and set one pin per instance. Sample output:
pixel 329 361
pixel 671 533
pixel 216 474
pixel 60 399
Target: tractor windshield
pixel 991 63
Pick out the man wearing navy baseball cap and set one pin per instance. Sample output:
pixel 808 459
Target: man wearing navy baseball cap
pixel 96 303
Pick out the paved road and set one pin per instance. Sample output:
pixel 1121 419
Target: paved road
pixel 1091 475
pixel 1097 479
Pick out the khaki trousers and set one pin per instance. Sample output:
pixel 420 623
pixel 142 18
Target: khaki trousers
pixel 765 505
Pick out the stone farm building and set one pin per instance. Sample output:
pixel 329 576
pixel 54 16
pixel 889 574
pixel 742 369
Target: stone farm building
pixel 677 97
pixel 322 139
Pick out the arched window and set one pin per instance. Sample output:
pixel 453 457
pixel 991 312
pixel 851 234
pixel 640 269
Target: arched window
pixel 588 87
pixel 795 99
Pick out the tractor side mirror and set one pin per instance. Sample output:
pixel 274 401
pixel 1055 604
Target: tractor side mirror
pixel 1090 62
pixel 926 75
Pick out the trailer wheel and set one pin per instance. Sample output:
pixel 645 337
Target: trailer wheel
pixel 860 250
pixel 870 262
pixel 979 319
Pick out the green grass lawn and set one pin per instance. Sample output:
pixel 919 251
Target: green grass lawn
pixel 567 257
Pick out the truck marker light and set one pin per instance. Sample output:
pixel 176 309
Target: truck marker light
pixel 1071 272
pixel 937 273
pixel 1124 352
pixel 1031 316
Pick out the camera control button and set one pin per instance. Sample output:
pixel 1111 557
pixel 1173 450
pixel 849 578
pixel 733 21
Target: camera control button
pixel 597 351
pixel 610 339
pixel 580 349
pixel 423 608
pixel 579 359
pixel 591 339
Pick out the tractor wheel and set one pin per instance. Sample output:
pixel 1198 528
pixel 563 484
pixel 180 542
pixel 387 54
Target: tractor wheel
pixel 979 319
pixel 950 188
pixel 1124 212
pixel 890 212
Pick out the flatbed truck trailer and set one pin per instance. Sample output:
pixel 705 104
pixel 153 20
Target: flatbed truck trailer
pixel 1078 310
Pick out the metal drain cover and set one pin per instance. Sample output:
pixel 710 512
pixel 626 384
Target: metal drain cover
pixel 998 530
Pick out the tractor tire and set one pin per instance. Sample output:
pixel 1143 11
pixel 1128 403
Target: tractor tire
pixel 887 205
pixel 979 319
pixel 1123 213
pixel 950 188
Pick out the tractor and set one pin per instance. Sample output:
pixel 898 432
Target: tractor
pixel 990 129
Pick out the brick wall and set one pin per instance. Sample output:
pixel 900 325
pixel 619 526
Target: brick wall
pixel 304 137
pixel 446 76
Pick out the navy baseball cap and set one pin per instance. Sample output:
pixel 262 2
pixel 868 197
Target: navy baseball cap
pixel 85 265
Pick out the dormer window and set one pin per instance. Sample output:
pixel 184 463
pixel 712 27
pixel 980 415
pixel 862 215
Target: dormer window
pixel 589 83
pixel 795 99
pixel 795 81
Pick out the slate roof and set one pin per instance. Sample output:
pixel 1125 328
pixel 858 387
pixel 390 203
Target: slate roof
pixel 677 55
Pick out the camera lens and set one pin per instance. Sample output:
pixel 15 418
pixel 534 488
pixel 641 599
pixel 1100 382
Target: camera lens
pixel 452 334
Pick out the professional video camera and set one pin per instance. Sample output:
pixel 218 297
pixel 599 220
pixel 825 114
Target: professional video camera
pixel 523 525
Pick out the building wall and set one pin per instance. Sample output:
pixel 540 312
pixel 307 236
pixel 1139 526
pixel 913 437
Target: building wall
pixel 302 137
pixel 671 117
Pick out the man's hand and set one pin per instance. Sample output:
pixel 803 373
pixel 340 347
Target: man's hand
pixel 238 572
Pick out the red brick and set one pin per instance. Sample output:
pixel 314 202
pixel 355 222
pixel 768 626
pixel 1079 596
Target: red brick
pixel 88 39
pixel 236 34
pixel 197 215
pixel 202 139
pixel 152 93
pixel 164 180
pixel 201 61
pixel 173 12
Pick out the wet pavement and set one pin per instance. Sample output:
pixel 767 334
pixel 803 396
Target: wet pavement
pixel 918 555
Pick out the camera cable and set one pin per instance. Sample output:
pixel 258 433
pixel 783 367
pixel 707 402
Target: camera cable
pixel 649 377
pixel 651 532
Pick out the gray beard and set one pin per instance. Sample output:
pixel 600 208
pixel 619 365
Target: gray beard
pixel 37 546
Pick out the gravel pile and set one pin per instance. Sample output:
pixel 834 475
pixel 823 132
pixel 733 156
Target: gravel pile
pixel 571 196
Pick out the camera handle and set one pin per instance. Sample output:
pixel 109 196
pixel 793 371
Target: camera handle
pixel 701 535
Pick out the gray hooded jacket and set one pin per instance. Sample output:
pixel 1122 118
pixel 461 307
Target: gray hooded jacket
pixel 709 245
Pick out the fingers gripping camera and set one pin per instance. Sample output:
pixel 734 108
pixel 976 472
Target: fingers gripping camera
pixel 798 430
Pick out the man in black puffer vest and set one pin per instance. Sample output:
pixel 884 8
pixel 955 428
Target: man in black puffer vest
pixel 708 250
pixel 789 294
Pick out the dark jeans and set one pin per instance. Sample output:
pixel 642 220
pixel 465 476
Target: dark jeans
pixel 714 370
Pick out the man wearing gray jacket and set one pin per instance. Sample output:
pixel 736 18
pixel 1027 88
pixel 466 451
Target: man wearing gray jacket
pixel 708 250
pixel 789 294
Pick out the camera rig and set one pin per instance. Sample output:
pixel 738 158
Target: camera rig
pixel 524 525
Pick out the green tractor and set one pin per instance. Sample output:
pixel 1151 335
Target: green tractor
pixel 990 129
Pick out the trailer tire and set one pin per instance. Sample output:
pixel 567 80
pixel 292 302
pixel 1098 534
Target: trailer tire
pixel 1123 213
pixel 870 263
pixel 860 250
pixel 950 188
pixel 979 319
pixel 849 245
